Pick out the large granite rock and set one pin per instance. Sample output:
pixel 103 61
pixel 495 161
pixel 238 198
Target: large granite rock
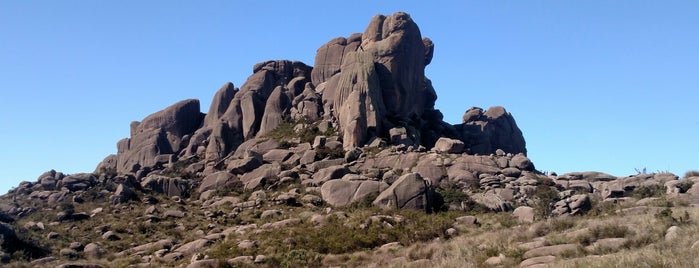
pixel 486 131
pixel 160 133
pixel 340 193
pixel 410 191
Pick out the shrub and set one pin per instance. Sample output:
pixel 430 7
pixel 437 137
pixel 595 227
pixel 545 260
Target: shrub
pixel 691 173
pixel 544 198
pixel 452 194
pixel 685 185
pixel 604 231
pixel 297 258
pixel 645 191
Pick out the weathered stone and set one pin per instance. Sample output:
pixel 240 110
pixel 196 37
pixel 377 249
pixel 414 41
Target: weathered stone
pixel 450 146
pixel 555 250
pixel 93 251
pixel 537 261
pixel 485 132
pixel 340 193
pixel 329 173
pixel 263 175
pixel 217 181
pixel 111 236
pixel 524 214
pixel 492 201
pixel 193 246
pixel 245 165
pixel 207 263
pixel 158 133
pixel 174 214
pixel 521 162
pixel 410 191
pixel 166 185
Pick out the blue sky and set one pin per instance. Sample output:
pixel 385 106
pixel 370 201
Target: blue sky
pixel 594 85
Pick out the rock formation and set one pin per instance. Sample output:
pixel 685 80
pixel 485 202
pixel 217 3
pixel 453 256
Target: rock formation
pixel 360 129
pixel 367 86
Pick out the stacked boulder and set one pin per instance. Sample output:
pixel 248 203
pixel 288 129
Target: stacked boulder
pixel 370 86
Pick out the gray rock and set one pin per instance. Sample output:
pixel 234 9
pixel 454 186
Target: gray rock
pixel 166 185
pixel 193 246
pixel 207 263
pixel 521 162
pixel 492 201
pixel 485 132
pixel 123 194
pixel 111 236
pixel 555 250
pixel 159 133
pixel 410 191
pixel 174 214
pixel 245 165
pixel 329 173
pixel 263 175
pixel 217 181
pixel 340 193
pixel 93 251
pixel 524 214
pixel 450 146
pixel 537 261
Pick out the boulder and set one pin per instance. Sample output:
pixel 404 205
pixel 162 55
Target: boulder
pixel 93 251
pixel 492 201
pixel 241 166
pixel 123 194
pixel 484 132
pixel 217 181
pixel 329 173
pixel 450 146
pixel 166 185
pixel 263 175
pixel 410 191
pixel 524 214
pixel 157 134
pixel 340 193
pixel 555 250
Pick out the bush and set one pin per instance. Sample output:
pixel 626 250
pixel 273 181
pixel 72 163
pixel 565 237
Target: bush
pixel 544 198
pixel 645 191
pixel 691 173
pixel 604 231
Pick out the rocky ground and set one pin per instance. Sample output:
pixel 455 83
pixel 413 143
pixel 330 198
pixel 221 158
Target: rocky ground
pixel 345 164
pixel 363 210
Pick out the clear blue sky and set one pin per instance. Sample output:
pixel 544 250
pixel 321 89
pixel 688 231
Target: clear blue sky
pixel 610 86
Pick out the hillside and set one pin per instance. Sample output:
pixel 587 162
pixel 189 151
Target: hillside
pixel 346 163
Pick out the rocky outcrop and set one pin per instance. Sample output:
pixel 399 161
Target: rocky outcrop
pixel 162 133
pixel 486 131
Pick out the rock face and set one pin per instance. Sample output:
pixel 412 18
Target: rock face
pixel 409 191
pixel 161 133
pixel 486 131
pixel 370 86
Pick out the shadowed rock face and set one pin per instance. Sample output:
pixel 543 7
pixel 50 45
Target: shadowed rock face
pixel 486 131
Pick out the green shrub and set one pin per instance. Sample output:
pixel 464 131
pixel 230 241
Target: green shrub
pixel 645 191
pixel 452 194
pixel 544 197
